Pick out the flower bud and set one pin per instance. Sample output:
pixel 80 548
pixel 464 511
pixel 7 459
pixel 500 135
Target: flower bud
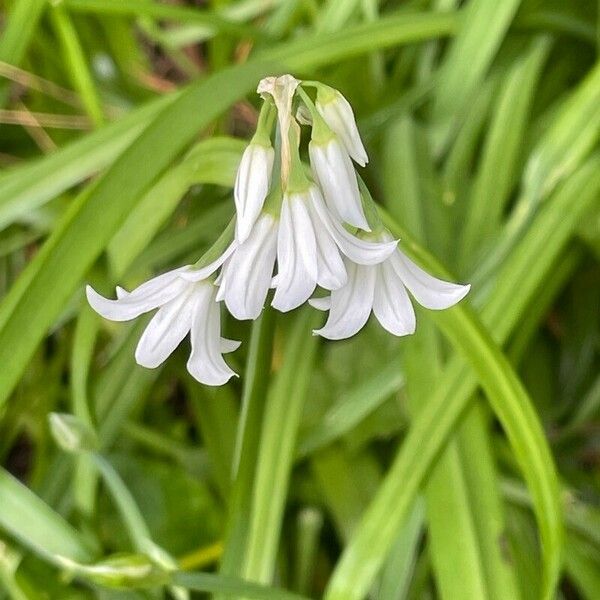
pixel 252 186
pixel 120 571
pixel 338 114
pixel 71 433
pixel 335 174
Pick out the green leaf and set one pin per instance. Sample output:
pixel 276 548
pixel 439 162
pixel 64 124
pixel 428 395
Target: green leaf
pixel 76 62
pixel 482 28
pixel 17 34
pixel 351 408
pixel 503 144
pixel 231 586
pixel 214 161
pixel 465 551
pixel 37 182
pixel 139 8
pixel 36 525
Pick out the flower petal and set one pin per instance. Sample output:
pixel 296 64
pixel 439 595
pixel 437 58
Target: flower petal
pixel 335 174
pixel 428 291
pixel 391 304
pixel 246 277
pixel 296 255
pixel 165 331
pixel 146 297
pixel 252 184
pixel 323 303
pixel 206 363
pixel 228 346
pixel 198 274
pixel 331 272
pixel 356 249
pixel 339 116
pixel 350 305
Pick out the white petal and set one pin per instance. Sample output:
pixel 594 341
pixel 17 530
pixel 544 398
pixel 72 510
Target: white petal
pixel 331 272
pixel 350 305
pixel 166 330
pixel 323 303
pixel 195 274
pixel 251 187
pixel 391 304
pixel 338 114
pixel 228 346
pixel 247 275
pixel 428 291
pixel 335 174
pixel 357 250
pixel 146 297
pixel 296 255
pixel 206 363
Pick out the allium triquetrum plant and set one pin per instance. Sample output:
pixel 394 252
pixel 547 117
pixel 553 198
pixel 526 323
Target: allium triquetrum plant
pixel 299 299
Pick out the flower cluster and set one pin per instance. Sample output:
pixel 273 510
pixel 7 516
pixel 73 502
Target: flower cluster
pixel 297 227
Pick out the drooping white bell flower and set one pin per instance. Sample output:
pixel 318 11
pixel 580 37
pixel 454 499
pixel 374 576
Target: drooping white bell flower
pixel 246 276
pixel 252 184
pixel 253 178
pixel 338 114
pixel 334 172
pixel 309 243
pixel 306 242
pixel 382 289
pixel 186 302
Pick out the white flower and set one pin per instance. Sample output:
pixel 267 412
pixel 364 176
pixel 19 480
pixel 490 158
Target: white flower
pixel 252 186
pixel 335 174
pixel 338 114
pixel 306 243
pixel 307 255
pixel 246 276
pixel 382 289
pixel 186 303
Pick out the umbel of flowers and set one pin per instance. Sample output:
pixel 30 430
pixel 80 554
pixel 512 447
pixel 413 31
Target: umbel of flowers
pixel 297 227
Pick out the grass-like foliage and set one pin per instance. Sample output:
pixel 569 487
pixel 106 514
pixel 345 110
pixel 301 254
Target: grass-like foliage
pixel 461 462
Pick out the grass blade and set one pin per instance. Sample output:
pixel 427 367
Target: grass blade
pixel 36 525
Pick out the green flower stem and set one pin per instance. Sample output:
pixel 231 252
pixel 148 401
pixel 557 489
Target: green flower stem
pixel 277 444
pixel 256 383
pixel 264 127
pixel 321 132
pixel 218 247
pixel 298 181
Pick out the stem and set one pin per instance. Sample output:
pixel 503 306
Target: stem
pixel 278 435
pixel 256 380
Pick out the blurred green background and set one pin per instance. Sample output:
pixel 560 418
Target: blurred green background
pixel 462 462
